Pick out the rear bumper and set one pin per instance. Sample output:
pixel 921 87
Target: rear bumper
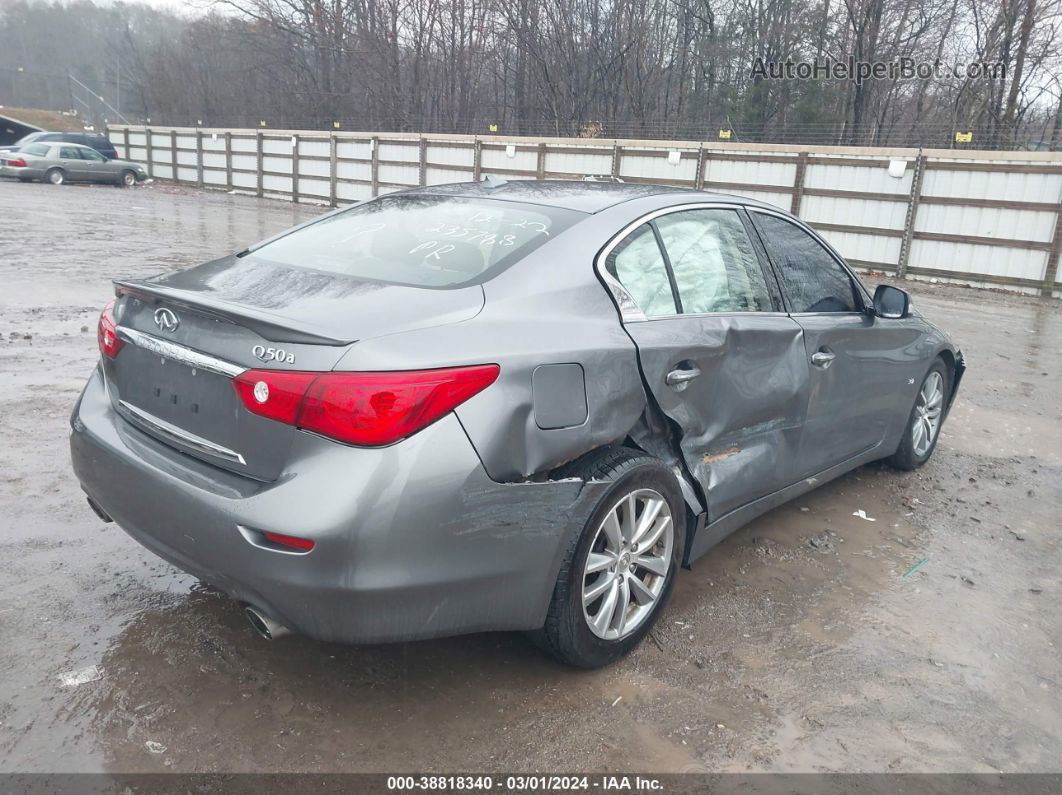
pixel 16 172
pixel 412 541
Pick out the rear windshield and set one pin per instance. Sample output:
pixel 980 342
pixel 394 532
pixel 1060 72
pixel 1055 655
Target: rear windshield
pixel 40 150
pixel 421 241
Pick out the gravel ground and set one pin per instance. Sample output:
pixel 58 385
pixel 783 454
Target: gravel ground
pixel 800 644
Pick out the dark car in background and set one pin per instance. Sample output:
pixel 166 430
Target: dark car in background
pixel 98 141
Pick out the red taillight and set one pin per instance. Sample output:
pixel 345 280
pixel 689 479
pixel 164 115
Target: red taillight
pixel 301 544
pixel 107 333
pixel 18 162
pixel 368 409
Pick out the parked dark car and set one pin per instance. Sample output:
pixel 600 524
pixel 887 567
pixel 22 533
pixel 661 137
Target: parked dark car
pixel 496 406
pixel 101 143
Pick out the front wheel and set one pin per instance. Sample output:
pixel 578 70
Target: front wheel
pixel 127 180
pixel 923 424
pixel 55 176
pixel 618 572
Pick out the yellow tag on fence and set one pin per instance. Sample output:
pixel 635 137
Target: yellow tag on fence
pixel 724 134
pixel 963 137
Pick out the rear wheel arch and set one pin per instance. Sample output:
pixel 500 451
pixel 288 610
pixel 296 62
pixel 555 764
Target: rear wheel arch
pixel 622 470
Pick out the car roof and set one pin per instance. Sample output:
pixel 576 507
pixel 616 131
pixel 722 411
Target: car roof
pixel 584 196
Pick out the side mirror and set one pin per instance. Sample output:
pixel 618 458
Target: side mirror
pixel 891 302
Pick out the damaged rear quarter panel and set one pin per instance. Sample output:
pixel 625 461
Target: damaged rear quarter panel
pixel 546 309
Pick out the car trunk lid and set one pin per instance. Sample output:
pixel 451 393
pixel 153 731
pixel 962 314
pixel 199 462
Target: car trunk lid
pixel 188 334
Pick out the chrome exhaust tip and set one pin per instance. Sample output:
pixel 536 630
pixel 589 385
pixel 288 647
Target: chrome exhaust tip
pixel 265 626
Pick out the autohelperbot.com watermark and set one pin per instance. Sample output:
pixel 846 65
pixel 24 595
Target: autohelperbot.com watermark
pixel 905 68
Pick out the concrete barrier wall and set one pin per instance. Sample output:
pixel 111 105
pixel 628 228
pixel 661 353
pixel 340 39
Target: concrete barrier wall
pixel 972 217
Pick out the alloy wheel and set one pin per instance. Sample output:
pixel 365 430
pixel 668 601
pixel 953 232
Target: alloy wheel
pixel 928 408
pixel 628 564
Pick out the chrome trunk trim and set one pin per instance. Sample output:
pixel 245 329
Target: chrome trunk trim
pixel 179 353
pixel 164 428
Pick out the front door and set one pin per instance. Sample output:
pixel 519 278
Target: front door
pixel 855 359
pixel 95 165
pixel 721 359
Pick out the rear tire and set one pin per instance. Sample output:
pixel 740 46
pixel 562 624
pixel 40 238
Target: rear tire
pixel 127 179
pixel 913 451
pixel 591 632
pixel 55 176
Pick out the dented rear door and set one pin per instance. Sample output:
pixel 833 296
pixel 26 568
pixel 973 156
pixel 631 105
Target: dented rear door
pixel 719 357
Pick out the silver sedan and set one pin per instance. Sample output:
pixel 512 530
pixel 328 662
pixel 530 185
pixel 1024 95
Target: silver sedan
pixel 496 406
pixel 59 162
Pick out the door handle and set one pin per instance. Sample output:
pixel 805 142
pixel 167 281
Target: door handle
pixel 822 358
pixel 680 378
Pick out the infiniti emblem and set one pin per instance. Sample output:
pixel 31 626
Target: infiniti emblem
pixel 166 320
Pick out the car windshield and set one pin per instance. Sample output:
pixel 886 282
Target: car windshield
pixel 25 139
pixel 421 241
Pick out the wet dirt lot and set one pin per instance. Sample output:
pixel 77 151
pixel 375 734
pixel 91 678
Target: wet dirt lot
pixel 802 643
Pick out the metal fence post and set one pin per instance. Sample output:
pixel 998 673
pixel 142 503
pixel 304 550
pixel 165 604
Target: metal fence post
pixel 173 156
pixel 540 165
pixel 258 140
pixel 150 157
pixel 374 144
pixel 423 168
pixel 332 167
pixel 295 168
pixel 912 211
pixel 698 178
pixel 125 153
pixel 617 155
pixel 798 183
pixel 228 159
pixel 199 156
pixel 1051 271
pixel 477 160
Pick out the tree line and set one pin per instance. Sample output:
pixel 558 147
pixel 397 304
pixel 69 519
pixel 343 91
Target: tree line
pixel 613 68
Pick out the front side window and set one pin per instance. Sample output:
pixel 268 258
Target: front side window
pixel 639 266
pixel 714 263
pixel 812 279
pixel 421 240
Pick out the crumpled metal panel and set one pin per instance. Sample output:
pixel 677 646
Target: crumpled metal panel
pixel 741 419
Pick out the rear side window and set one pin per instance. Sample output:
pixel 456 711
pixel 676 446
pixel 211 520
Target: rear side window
pixel 813 281
pixel 715 266
pixel 69 153
pixel 639 266
pixel 421 241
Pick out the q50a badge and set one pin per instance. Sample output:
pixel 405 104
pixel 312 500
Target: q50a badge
pixel 273 354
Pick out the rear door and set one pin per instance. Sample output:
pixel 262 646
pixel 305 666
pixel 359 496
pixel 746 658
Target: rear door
pixel 70 160
pixel 857 361
pixel 719 355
